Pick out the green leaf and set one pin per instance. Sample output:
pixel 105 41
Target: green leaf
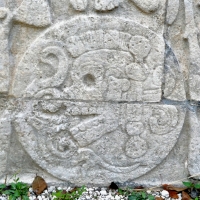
pixel 24 197
pixel 151 197
pixel 17 193
pixel 8 192
pixel 188 184
pixel 197 185
pixel 144 195
pixel 132 197
pixel 2 186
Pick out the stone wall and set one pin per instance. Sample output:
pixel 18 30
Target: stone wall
pixel 95 91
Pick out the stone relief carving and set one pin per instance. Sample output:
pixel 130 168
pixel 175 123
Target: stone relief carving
pixel 108 5
pixel 34 13
pixel 99 59
pixel 104 5
pixel 191 34
pixel 107 138
pixel 98 95
pixel 82 68
pixel 172 11
pixel 147 6
pixel 79 5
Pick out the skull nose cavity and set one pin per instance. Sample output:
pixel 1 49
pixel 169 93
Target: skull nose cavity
pixel 89 80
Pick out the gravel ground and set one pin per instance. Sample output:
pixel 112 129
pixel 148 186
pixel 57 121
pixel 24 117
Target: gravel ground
pixel 93 193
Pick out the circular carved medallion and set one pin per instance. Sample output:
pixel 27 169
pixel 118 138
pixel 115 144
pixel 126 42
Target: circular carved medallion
pixel 86 123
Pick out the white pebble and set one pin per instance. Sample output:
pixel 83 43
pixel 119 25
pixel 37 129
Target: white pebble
pixel 103 192
pixel 109 197
pixel 179 196
pixel 117 197
pixel 39 197
pixel 90 189
pixel 165 193
pixel 59 188
pixel 45 192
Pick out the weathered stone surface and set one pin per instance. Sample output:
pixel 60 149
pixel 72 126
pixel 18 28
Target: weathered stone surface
pixel 86 139
pixel 191 33
pixel 107 63
pixel 194 156
pixel 174 80
pixel 148 5
pixel 36 13
pixel 79 5
pixel 95 91
pixel 105 5
pixel 5 26
pixel 172 11
pixel 5 133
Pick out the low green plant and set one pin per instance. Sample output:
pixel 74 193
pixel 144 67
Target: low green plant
pixel 71 195
pixel 193 189
pixel 15 190
pixel 2 188
pixel 189 184
pixel 136 195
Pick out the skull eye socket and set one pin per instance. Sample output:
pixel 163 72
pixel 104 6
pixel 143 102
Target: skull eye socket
pixel 89 80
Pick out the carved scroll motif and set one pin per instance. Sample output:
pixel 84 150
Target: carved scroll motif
pixel 59 74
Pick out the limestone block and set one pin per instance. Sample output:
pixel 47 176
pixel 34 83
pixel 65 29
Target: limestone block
pixel 147 5
pixel 5 134
pixel 172 11
pixel 79 5
pixel 5 25
pixel 5 131
pixel 107 59
pixel 36 13
pixel 191 34
pixel 105 5
pixel 87 97
pixel 194 156
pixel 97 142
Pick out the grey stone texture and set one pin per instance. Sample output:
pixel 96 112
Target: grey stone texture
pixel 95 91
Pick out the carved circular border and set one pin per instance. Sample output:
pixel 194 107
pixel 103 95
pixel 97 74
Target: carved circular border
pixel 36 146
